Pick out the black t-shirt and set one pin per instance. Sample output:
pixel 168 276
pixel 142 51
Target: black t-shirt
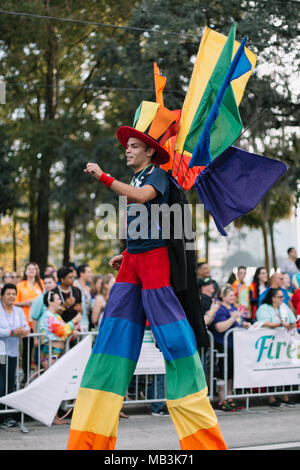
pixel 144 227
pixel 69 312
pixel 206 302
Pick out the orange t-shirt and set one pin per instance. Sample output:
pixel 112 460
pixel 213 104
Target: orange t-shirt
pixel 24 293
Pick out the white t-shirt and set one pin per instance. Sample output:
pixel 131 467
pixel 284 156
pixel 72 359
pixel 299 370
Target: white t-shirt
pixel 9 345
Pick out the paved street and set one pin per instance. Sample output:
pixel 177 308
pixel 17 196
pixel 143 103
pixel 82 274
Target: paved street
pixel 261 426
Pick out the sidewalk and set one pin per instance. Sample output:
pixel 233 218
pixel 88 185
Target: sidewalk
pixel 260 426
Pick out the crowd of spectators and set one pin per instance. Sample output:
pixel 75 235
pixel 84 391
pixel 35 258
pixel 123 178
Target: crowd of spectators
pixel 61 303
pixel 273 301
pixel 57 304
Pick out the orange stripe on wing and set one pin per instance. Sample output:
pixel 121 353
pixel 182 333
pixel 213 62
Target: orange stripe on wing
pixel 86 440
pixel 204 439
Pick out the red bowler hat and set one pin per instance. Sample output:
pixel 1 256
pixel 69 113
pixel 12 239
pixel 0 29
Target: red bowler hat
pixel 153 124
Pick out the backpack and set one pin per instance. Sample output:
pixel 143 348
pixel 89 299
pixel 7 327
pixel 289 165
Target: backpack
pixel 183 266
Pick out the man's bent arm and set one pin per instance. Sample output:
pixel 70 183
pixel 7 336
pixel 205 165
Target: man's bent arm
pixel 138 195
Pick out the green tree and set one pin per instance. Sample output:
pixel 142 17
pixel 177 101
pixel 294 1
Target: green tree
pixel 272 31
pixel 8 194
pixel 48 67
pixel 71 85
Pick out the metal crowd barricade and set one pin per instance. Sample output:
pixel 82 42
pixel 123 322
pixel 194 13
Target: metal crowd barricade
pixel 138 392
pixel 143 388
pixel 210 370
pixel 139 389
pixel 251 392
pixel 4 360
pixel 70 341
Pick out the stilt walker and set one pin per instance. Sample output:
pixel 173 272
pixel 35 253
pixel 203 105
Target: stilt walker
pixel 143 291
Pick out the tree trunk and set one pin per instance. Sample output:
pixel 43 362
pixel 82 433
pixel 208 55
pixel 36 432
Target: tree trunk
pixel 42 228
pixel 68 226
pixel 43 198
pixel 265 216
pixel 14 236
pixel 271 231
pixel 33 240
pixel 266 248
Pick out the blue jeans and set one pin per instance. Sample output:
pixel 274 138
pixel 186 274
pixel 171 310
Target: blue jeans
pixel 159 381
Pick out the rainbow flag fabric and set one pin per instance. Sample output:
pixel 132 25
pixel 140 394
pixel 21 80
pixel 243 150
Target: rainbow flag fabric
pixel 233 184
pixel 142 290
pixel 224 108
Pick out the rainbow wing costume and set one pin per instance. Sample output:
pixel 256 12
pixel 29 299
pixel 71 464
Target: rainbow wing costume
pixel 142 289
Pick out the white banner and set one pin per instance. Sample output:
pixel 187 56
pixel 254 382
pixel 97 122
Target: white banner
pixel 41 398
pixel 266 357
pixel 151 360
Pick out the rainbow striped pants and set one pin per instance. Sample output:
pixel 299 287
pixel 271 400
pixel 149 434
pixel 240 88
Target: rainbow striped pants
pixel 142 290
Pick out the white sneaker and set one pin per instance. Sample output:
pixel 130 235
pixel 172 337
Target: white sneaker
pixel 10 423
pixel 160 413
